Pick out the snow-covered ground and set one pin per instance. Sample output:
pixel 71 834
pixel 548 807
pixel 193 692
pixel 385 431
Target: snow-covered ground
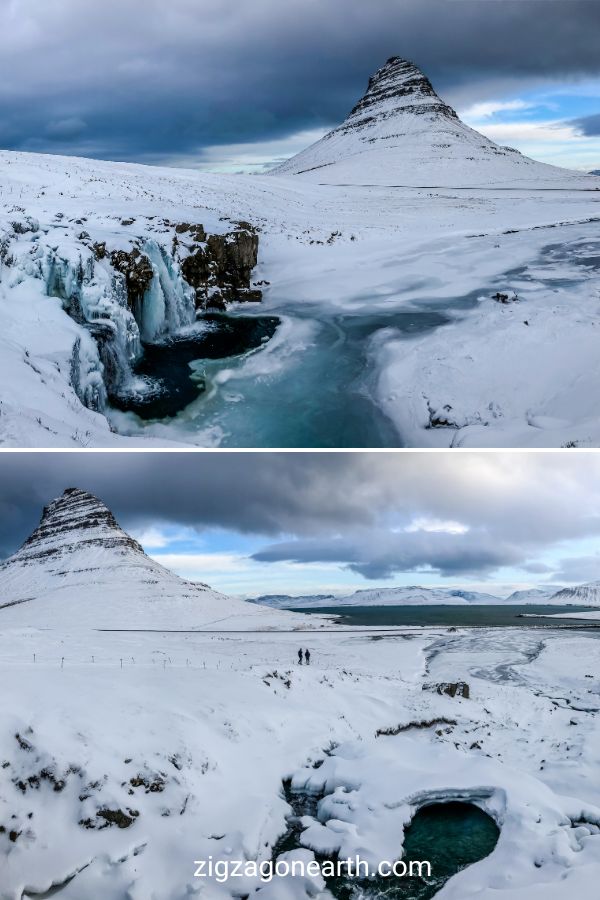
pixel 383 284
pixel 148 722
pixel 190 735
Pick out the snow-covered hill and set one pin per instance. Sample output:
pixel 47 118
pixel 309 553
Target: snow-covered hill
pixel 401 133
pixel 80 569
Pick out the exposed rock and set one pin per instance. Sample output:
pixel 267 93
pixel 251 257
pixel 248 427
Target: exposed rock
pixel 138 272
pixel 151 785
pixel 64 526
pixel 197 231
pixel 451 688
pixel 219 266
pixel 396 84
pixel 500 297
pixel 25 224
pixel 112 817
pixel 421 723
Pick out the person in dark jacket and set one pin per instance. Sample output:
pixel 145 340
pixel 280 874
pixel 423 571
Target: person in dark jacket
pixel 307 657
pixel 300 656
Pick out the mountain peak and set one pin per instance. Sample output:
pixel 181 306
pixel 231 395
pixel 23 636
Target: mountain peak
pixel 401 134
pixel 77 518
pixel 398 86
pixel 80 569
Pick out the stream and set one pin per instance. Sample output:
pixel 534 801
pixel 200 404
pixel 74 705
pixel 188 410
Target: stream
pixel 301 375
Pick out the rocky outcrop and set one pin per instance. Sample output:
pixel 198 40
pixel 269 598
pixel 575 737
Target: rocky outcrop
pixel 138 272
pixel 450 688
pixel 219 266
pixel 419 723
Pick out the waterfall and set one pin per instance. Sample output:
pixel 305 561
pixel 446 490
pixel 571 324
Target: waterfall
pixel 98 301
pixel 169 304
pixel 96 297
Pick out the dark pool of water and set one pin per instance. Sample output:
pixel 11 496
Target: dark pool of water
pixel 450 836
pixel 483 616
pixel 166 366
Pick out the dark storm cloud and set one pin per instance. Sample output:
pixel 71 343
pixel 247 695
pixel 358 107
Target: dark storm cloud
pixel 578 569
pixel 374 513
pixel 380 554
pixel 152 80
pixel 267 494
pixel 588 125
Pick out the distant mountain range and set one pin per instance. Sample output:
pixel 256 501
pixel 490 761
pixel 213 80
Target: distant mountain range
pixel 421 596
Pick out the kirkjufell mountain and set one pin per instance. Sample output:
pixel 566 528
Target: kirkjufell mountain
pixel 79 568
pixel 400 132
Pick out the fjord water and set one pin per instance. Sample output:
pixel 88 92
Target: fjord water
pixel 476 615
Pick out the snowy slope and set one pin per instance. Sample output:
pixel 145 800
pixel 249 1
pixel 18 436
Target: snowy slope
pixel 583 594
pixel 80 569
pixel 535 595
pixel 402 133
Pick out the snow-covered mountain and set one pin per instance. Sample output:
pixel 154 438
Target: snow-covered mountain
pixel 401 133
pixel 421 596
pixel 286 601
pixel 584 594
pixel 534 595
pixel 79 568
pixel 392 596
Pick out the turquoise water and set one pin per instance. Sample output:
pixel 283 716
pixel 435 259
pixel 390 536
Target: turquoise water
pixel 450 836
pixel 309 385
pixel 311 382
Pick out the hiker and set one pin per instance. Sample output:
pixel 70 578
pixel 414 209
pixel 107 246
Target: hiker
pixel 307 657
pixel 300 656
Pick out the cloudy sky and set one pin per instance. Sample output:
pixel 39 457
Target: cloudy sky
pixel 254 523
pixel 237 84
